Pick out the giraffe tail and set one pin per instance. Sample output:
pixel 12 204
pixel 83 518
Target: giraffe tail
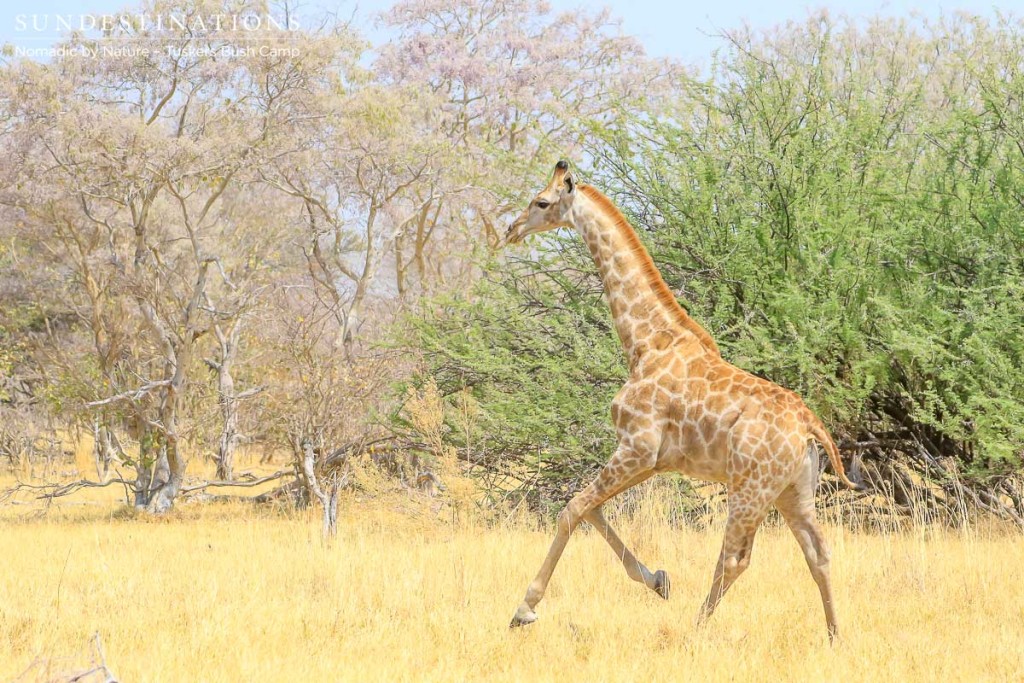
pixel 822 436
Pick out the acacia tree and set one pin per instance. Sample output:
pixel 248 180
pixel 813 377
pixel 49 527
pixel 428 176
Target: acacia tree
pixel 252 249
pixel 516 84
pixel 368 159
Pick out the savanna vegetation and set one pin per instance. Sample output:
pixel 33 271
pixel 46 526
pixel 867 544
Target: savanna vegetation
pixel 240 286
pixel 201 251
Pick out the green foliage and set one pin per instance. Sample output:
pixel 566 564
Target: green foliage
pixel 846 220
pixel 840 205
pixel 534 345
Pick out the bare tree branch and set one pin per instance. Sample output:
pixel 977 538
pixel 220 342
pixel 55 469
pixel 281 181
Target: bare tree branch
pixel 132 395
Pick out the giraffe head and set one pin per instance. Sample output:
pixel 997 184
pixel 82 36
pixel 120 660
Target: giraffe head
pixel 549 209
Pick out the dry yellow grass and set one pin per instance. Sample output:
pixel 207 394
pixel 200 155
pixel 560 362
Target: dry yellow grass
pixel 223 593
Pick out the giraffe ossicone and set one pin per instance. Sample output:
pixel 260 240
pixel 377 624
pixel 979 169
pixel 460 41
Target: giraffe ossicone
pixel 683 409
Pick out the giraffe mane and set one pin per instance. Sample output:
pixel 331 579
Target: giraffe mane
pixel 650 271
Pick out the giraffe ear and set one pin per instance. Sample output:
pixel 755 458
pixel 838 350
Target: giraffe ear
pixel 570 183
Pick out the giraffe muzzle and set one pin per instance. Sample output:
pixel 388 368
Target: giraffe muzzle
pixel 512 235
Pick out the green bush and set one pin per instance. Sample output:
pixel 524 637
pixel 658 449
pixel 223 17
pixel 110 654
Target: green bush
pixel 839 204
pixel 534 344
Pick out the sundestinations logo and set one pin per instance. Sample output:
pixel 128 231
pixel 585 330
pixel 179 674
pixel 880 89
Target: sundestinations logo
pixel 238 31
pixel 152 23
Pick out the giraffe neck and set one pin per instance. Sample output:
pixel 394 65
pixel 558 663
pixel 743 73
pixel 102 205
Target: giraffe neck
pixel 646 314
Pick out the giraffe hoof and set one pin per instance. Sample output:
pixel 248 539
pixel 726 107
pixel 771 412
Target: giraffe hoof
pixel 524 617
pixel 662 584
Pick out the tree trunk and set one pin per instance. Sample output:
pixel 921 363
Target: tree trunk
pixel 163 497
pixel 227 400
pixel 329 498
pixel 171 456
pixel 104 449
pixel 178 350
pixel 330 521
pixel 352 318
pixel 170 466
pixel 228 441
pixel 151 470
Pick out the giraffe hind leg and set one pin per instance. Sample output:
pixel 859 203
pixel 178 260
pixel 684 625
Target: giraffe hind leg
pixel 734 557
pixel 796 505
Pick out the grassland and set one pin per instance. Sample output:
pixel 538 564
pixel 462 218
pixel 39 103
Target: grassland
pixel 222 592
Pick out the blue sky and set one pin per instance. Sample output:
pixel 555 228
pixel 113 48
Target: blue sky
pixel 682 29
pixel 686 31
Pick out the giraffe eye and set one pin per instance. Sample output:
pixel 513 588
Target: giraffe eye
pixel 541 204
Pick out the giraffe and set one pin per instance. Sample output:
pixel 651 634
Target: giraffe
pixel 684 409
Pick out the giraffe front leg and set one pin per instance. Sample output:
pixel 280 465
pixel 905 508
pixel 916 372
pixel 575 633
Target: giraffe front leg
pixel 657 581
pixel 568 520
pixel 620 473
